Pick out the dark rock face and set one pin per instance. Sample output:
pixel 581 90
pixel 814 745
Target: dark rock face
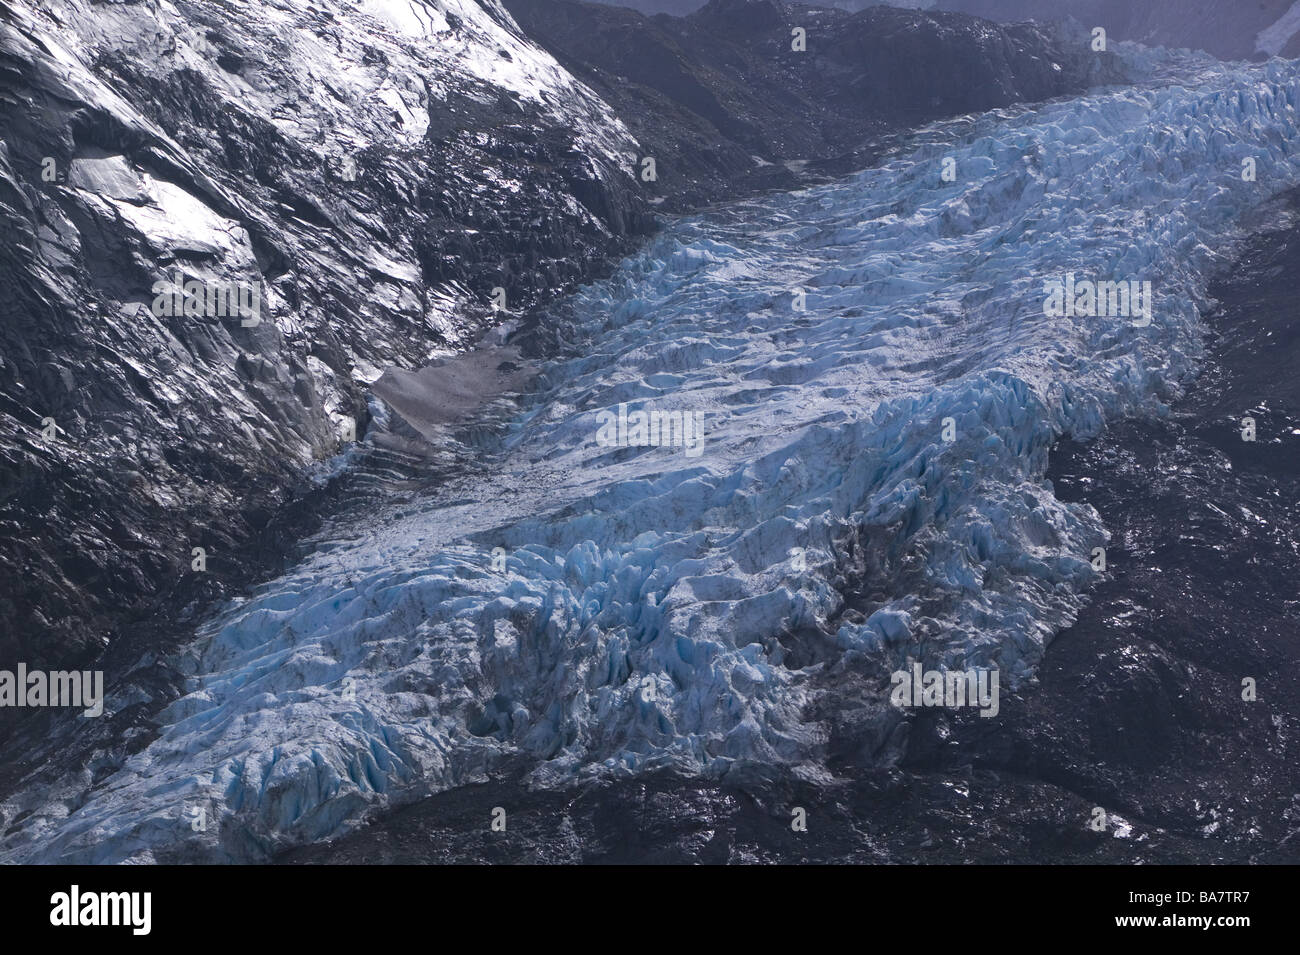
pixel 371 183
pixel 673 8
pixel 723 102
pixel 1228 30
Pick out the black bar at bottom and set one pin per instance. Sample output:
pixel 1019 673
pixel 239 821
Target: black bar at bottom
pixel 338 904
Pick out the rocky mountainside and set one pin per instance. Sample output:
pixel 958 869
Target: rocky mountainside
pixel 368 172
pixel 722 98
pixel 1229 30
pixel 1241 31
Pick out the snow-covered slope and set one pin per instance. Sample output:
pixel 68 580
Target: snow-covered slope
pixel 650 610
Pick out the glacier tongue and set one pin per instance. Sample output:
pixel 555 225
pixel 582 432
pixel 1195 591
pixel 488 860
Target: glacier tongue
pixel 660 608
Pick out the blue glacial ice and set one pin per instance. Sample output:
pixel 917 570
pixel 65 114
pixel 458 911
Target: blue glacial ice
pixel 661 609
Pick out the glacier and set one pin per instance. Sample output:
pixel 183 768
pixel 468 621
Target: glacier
pixel 609 611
